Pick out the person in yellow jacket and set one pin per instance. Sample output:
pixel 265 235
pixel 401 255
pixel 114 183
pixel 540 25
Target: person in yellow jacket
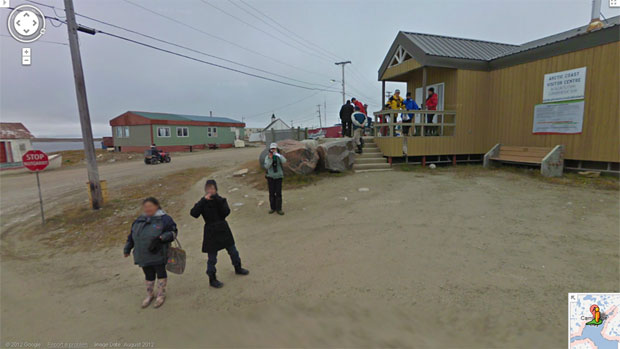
pixel 395 102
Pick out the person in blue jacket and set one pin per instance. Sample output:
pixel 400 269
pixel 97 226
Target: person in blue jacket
pixel 150 238
pixel 410 104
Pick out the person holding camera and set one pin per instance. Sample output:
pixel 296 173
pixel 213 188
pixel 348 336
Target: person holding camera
pixel 216 234
pixel 275 174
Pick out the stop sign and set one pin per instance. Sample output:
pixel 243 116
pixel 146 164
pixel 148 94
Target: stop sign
pixel 35 160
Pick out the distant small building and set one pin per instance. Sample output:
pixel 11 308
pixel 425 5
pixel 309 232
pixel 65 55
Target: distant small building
pixel 275 124
pixel 135 131
pixel 249 131
pixel 15 141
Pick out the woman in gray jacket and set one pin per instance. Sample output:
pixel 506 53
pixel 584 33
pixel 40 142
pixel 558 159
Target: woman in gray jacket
pixel 149 239
pixel 275 174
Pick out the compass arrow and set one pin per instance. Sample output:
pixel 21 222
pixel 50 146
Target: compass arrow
pixel 26 14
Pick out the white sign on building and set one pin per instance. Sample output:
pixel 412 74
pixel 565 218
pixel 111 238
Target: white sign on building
pixel 558 118
pixel 565 85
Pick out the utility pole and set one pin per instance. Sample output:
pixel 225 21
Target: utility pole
pixel 343 64
pixel 320 122
pixel 325 109
pixel 80 91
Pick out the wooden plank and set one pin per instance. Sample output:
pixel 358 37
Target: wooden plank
pixel 516 159
pixel 526 149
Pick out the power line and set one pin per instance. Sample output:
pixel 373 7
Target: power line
pixel 303 44
pixel 210 63
pixel 181 46
pixel 290 31
pixel 197 51
pixel 286 105
pixel 221 39
pixel 40 40
pixel 262 31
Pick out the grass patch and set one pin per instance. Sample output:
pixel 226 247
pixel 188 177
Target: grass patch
pixel 256 177
pixel 78 228
pixel 475 170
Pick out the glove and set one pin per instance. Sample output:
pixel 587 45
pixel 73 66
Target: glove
pixel 155 245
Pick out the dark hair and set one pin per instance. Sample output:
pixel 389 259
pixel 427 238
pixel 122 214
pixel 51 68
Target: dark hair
pixel 151 200
pixel 408 94
pixel 348 101
pixel 211 182
pixel 431 89
pixel 353 99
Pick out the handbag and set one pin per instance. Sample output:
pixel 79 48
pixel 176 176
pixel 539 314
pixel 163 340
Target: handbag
pixel 176 258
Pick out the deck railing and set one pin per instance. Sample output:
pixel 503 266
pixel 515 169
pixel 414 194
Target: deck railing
pixel 443 123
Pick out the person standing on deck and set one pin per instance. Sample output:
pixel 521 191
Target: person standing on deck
pixel 275 174
pixel 395 102
pixel 409 104
pixel 345 118
pixel 359 122
pixel 431 104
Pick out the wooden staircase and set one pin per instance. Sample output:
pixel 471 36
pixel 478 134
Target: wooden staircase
pixel 371 159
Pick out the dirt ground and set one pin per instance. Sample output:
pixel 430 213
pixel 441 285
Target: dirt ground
pixel 422 259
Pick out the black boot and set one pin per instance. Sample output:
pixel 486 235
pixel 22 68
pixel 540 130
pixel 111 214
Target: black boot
pixel 213 281
pixel 241 271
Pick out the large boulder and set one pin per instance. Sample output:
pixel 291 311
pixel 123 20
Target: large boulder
pixel 301 157
pixel 337 155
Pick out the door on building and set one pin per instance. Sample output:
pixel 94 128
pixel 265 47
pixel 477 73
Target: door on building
pixel 3 158
pixel 439 88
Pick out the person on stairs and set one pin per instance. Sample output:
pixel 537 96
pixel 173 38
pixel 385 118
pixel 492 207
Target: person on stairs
pixel 359 122
pixel 150 238
pixel 216 234
pixel 275 174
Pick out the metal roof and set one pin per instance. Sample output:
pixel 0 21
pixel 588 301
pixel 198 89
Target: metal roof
pixel 14 130
pixel 460 53
pixel 446 46
pixel 569 34
pixel 182 117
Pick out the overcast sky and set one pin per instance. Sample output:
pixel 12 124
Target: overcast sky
pixel 123 76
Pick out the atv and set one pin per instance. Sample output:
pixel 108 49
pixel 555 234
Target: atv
pixel 155 156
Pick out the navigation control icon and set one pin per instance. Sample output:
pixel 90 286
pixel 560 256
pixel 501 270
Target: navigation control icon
pixel 26 23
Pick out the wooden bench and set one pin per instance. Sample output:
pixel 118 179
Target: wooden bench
pixel 550 159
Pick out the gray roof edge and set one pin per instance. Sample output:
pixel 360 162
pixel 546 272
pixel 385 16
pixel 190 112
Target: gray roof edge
pixel 572 44
pixel 461 38
pixel 231 120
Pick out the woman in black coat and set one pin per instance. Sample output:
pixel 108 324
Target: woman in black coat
pixel 217 235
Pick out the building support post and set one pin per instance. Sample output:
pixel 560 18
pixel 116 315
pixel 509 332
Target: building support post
pixel 423 116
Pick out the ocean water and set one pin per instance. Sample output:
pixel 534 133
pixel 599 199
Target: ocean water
pixel 49 147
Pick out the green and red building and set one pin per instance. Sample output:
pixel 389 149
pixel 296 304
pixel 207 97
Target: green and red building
pixel 135 131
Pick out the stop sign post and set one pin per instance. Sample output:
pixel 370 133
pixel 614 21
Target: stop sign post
pixel 36 161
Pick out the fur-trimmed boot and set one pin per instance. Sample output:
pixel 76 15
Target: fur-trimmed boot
pixel 161 292
pixel 149 294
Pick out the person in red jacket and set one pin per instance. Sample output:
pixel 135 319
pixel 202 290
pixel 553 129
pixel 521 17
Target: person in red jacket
pixel 359 104
pixel 431 104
